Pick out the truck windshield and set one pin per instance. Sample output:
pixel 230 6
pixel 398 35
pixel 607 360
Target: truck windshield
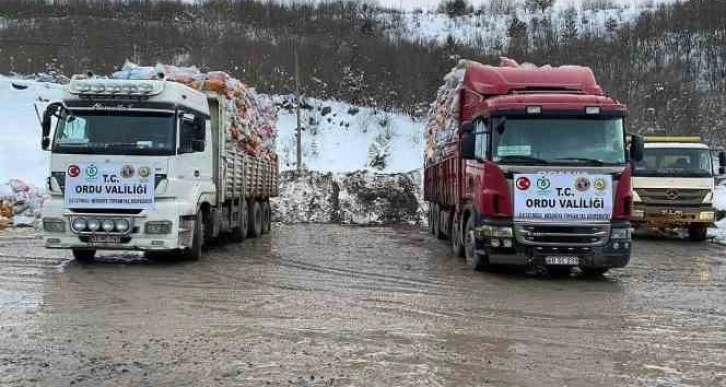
pixel 597 141
pixel 675 162
pixel 116 134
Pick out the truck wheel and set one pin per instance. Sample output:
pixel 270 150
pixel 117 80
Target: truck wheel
pixel 255 222
pixel 84 255
pixel 442 226
pixel 266 218
pixel 475 261
pixel 697 233
pixel 195 251
pixel 457 245
pixel 239 233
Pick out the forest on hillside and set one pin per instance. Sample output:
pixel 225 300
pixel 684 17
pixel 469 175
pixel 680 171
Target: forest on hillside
pixel 668 65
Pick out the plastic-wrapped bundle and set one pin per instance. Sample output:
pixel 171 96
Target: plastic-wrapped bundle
pixel 21 203
pixel 252 118
pixel 443 116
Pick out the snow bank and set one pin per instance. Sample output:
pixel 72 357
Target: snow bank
pixel 20 153
pixel 339 138
pixel 357 198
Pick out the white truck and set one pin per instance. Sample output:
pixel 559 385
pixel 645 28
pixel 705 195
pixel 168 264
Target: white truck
pixel 148 165
pixel 673 185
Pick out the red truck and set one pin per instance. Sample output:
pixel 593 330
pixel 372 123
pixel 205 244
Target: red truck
pixel 536 170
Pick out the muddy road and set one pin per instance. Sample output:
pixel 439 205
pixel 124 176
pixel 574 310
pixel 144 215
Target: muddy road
pixel 342 306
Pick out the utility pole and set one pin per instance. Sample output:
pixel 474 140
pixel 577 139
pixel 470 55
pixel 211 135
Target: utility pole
pixel 298 132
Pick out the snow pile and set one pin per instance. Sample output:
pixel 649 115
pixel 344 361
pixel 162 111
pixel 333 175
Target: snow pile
pixel 252 118
pixel 338 137
pixel 355 198
pixel 20 204
pixel 20 153
pixel 719 203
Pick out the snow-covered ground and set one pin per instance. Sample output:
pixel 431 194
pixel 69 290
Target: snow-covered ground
pixel 20 153
pixel 488 30
pixel 338 138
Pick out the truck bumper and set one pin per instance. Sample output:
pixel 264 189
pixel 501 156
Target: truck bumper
pixel 162 229
pixel 673 216
pixel 593 245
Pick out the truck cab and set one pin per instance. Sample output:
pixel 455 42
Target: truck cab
pixel 144 165
pixel 539 172
pixel 673 185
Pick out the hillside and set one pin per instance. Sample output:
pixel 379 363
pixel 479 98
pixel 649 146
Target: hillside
pixel 664 59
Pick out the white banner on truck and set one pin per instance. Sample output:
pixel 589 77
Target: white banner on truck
pixel 555 197
pixel 114 186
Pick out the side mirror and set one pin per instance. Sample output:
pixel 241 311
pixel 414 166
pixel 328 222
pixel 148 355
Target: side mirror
pixel 637 148
pixel 467 127
pixel 467 146
pixel 722 159
pixel 50 111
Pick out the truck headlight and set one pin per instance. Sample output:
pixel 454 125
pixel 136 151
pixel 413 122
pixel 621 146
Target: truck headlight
pixel 638 214
pixel 122 225
pixel 54 225
pixel 79 224
pixel 94 225
pixel 158 227
pixel 108 225
pixel 496 232
pixel 620 234
pixel 708 216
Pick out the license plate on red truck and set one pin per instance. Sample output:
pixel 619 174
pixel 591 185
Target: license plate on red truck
pixel 562 260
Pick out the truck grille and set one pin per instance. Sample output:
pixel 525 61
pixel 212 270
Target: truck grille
pixel 670 196
pixel 562 235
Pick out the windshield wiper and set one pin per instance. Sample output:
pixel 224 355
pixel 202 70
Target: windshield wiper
pixel 585 160
pixel 523 160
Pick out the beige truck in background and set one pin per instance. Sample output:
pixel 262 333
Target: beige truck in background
pixel 673 185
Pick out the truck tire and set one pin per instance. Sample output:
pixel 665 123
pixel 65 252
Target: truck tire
pixel 457 244
pixel 195 251
pixel 255 222
pixel 442 225
pixel 266 218
pixel 698 233
pixel 84 255
pixel 239 233
pixel 475 261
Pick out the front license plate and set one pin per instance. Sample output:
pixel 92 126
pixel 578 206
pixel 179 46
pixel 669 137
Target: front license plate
pixel 114 239
pixel 562 260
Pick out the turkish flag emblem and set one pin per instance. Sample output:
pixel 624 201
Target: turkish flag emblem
pixel 523 183
pixel 74 171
